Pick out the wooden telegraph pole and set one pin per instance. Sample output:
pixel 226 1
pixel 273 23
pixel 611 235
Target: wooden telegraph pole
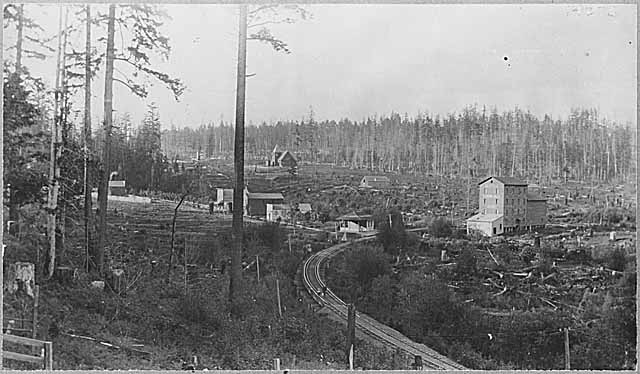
pixel 567 361
pixel 238 159
pixel 351 334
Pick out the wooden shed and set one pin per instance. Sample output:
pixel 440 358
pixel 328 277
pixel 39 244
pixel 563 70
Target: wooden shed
pixel 486 224
pixel 117 188
pixel 353 222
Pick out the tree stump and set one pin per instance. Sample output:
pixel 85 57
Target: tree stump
pixel 65 275
pixel 20 277
pixel 117 281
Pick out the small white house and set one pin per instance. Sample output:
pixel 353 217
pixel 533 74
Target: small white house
pixel 304 208
pixel 487 224
pixel 355 223
pixel 277 212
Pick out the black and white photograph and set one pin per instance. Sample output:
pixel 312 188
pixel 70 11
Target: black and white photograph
pixel 319 186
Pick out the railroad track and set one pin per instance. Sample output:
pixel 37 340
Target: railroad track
pixel 365 324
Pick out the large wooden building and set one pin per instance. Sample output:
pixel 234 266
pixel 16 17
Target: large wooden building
pixel 255 203
pixel 505 205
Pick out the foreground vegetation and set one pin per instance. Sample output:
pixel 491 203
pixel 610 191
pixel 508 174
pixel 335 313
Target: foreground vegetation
pixel 159 322
pixel 454 308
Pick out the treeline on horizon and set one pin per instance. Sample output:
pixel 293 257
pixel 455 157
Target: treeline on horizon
pixel 472 143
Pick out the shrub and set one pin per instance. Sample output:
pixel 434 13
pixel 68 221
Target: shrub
pixel 367 264
pixel 392 235
pixel 440 228
pixel 616 260
pixel 192 307
pixel 466 263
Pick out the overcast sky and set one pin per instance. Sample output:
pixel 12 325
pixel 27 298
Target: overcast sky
pixel 361 60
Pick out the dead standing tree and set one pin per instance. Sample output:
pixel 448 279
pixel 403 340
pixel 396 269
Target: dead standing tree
pixel 258 17
pixel 142 23
pixel 173 229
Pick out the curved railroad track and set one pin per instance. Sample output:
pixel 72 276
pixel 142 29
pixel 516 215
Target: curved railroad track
pixel 386 335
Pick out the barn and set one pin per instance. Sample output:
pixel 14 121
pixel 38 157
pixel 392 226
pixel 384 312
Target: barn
pixel 117 188
pixel 255 203
pixel 536 211
pixel 375 181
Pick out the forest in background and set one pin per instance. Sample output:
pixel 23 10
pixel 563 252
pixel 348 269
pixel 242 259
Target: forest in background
pixel 472 143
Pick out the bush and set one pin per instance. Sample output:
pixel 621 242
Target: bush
pixel 466 263
pixel 440 228
pixel 367 264
pixel 192 307
pixel 392 236
pixel 616 260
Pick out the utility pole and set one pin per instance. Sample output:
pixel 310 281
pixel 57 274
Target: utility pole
pixel 278 296
pixel 351 333
pixel 567 362
pixel 258 268
pixel 238 158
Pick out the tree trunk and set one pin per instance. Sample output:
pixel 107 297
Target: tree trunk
pixel 20 38
pixel 54 168
pixel 108 120
pixel 238 192
pixel 64 136
pixel 87 137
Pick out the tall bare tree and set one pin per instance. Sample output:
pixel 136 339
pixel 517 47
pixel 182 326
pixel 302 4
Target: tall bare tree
pixel 238 157
pixel 108 121
pixel 87 136
pixel 258 17
pixel 142 22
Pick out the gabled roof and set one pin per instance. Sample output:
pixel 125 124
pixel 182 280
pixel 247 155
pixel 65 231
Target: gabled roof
pixel 283 155
pixel 304 207
pixel 353 216
pixel 485 217
pixel 507 181
pixel 376 178
pixel 534 197
pixel 280 206
pixel 265 195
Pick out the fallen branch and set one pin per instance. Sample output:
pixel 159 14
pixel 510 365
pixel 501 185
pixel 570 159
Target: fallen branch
pixel 105 343
pixel 501 292
pixel 494 259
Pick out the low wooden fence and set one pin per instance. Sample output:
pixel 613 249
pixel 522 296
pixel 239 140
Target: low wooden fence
pixel 45 359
